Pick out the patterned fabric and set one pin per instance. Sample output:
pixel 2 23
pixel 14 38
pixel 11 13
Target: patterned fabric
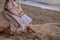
pixel 15 21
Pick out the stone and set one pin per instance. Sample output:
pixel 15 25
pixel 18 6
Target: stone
pixel 4 23
pixel 51 31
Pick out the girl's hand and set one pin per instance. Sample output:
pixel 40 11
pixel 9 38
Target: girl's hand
pixel 21 14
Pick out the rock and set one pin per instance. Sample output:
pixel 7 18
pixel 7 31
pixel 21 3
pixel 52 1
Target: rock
pixel 4 23
pixel 50 31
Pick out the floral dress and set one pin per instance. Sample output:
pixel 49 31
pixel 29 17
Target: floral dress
pixel 17 23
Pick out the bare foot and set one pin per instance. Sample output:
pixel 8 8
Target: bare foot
pixel 30 30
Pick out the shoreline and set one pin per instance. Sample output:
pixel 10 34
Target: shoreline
pixel 43 6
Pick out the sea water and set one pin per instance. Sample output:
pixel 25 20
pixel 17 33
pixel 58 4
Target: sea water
pixel 52 2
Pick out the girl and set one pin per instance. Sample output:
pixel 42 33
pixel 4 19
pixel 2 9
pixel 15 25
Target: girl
pixel 18 20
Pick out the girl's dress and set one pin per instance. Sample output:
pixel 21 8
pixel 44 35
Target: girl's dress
pixel 17 23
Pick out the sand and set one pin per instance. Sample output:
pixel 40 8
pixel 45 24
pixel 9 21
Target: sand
pixel 45 22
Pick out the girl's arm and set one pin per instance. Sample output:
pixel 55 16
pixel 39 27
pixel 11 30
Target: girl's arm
pixel 21 11
pixel 19 7
pixel 10 10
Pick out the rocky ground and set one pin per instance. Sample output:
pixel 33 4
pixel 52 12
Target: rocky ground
pixel 48 31
pixel 45 22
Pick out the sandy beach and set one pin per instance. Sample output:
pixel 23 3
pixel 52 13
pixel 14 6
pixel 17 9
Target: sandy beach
pixel 45 22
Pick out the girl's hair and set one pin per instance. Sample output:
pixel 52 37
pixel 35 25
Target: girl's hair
pixel 6 4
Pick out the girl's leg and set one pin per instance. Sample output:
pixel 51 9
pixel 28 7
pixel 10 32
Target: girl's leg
pixel 29 29
pixel 11 28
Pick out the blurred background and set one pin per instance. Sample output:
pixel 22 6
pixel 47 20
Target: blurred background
pixel 46 4
pixel 52 2
pixel 46 20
